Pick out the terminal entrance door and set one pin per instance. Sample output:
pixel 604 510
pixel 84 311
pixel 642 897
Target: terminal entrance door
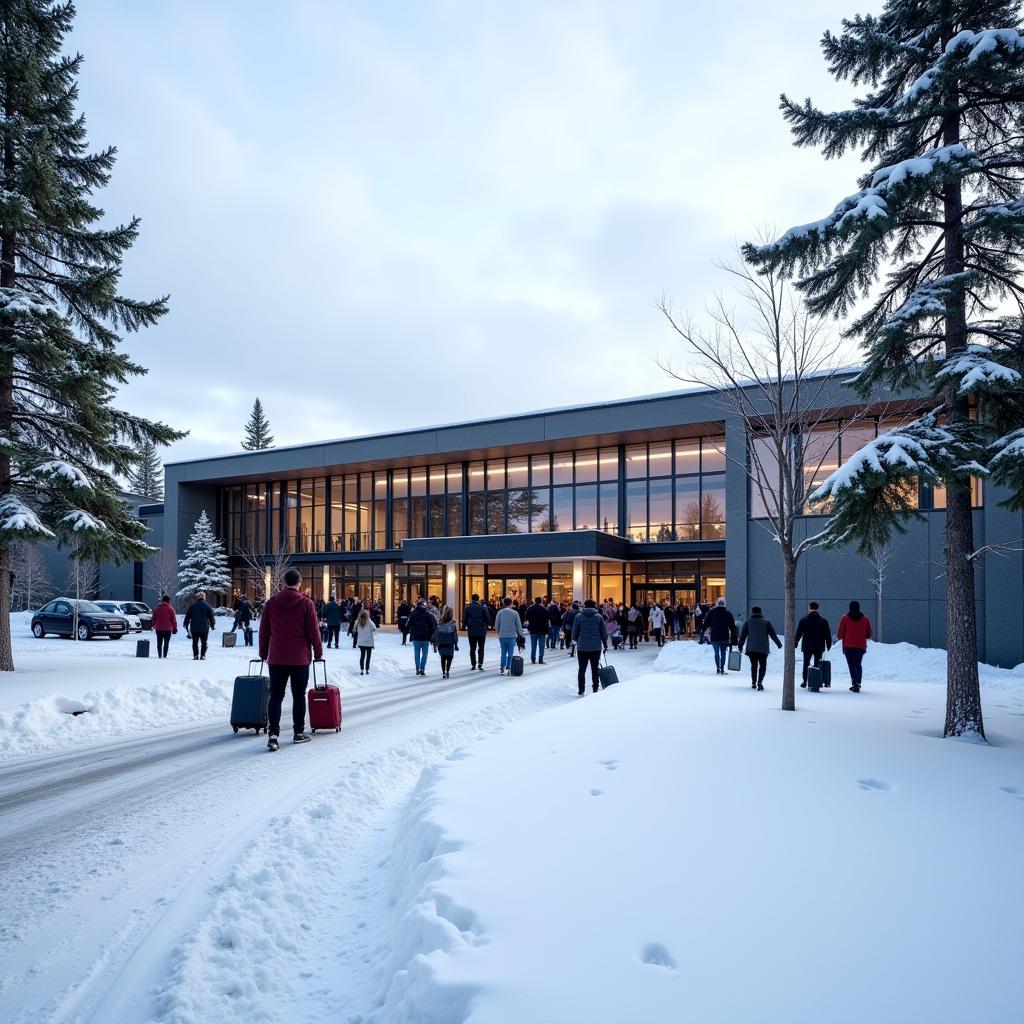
pixel 519 588
pixel 652 593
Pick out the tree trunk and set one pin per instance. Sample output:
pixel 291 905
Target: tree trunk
pixel 963 690
pixel 789 631
pixel 6 653
pixel 878 613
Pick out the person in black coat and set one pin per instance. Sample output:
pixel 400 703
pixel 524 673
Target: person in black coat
pixel 814 635
pixel 421 628
pixel 402 615
pixel 538 622
pixel 720 625
pixel 332 617
pixel 476 620
pixel 199 620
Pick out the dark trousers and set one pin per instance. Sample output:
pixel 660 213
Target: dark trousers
pixel 854 658
pixel 163 641
pixel 816 655
pixel 657 635
pixel 355 639
pixel 476 650
pixel 199 642
pixel 333 633
pixel 280 676
pixel 365 653
pixel 632 641
pixel 758 664
pixel 446 661
pixel 403 625
pixel 593 659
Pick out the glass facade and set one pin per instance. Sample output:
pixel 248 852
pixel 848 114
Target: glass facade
pixel 819 453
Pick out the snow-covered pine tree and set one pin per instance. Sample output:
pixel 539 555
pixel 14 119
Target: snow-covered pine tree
pixel 205 565
pixel 257 430
pixel 62 444
pixel 147 478
pixel 938 222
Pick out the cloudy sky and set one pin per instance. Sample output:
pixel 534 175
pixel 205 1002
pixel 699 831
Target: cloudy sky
pixel 381 215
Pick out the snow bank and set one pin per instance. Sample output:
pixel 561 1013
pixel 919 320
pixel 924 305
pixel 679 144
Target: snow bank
pixel 678 849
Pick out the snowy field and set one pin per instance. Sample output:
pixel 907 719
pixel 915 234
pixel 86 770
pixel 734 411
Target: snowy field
pixel 494 850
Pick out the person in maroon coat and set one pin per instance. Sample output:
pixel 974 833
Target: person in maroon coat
pixel 288 631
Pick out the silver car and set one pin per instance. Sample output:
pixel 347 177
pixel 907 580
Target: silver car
pixel 121 608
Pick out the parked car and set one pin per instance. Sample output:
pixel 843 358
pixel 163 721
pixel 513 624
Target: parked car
pixel 59 617
pixel 125 608
pixel 140 608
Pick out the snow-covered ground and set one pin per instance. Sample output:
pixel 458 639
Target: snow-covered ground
pixel 490 850
pixel 122 694
pixel 680 849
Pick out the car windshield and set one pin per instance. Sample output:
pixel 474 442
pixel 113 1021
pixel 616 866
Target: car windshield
pixel 135 607
pixel 107 606
pixel 88 606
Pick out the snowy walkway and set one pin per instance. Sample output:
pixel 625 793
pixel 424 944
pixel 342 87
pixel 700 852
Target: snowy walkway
pixel 187 875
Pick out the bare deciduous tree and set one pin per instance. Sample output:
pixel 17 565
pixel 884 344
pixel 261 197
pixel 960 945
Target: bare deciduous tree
pixel 162 573
pixel 32 583
pixel 779 375
pixel 879 559
pixel 257 564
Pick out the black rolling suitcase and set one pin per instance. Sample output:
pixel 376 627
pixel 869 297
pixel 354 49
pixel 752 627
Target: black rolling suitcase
pixel 227 640
pixel 826 673
pixel 515 667
pixel 250 699
pixel 607 674
pixel 813 678
pixel 141 648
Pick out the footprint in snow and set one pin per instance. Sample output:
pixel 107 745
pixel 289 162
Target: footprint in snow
pixel 1013 791
pixel 876 785
pixel 596 792
pixel 610 765
pixel 657 955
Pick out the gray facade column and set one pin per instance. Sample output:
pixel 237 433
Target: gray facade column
pixel 737 501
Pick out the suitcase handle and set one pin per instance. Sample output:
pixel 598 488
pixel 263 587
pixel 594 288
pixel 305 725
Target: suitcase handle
pixel 319 661
pixel 253 661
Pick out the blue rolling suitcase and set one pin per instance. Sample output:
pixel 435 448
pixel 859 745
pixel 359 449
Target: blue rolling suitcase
pixel 250 699
pixel 515 668
pixel 813 678
pixel 826 673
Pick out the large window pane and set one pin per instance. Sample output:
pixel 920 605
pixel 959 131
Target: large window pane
pixel 636 461
pixel 688 508
pixel 712 507
pixel 713 455
pixel 659 459
pixel 562 468
pixel 586 507
pixel 399 520
pixel 661 509
pixel 764 478
pixel 454 515
pixel 320 514
pixel 366 512
pixel 561 509
pixel 820 456
pixel 540 469
pixel 437 508
pixel 586 467
pixel 495 511
pixel 540 510
pixel 306 515
pixel 291 515
pixel 495 474
pixel 477 521
pixel 418 524
pixel 687 457
pixel 454 477
pixel 436 475
pixel 476 476
pixel 418 481
pixel 636 510
pixel 518 508
pixel 609 463
pixel 608 507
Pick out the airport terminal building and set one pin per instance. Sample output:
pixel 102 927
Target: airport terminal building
pixel 643 499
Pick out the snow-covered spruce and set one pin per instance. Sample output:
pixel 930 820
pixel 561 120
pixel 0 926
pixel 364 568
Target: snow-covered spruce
pixel 941 204
pixel 205 565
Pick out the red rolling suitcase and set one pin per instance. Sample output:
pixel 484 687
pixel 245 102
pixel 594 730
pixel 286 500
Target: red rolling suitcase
pixel 324 703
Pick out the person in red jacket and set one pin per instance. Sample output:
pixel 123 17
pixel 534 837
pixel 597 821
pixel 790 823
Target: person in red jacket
pixel 165 622
pixel 854 632
pixel 288 630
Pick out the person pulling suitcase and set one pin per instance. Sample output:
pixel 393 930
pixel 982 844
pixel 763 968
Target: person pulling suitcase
pixel 289 630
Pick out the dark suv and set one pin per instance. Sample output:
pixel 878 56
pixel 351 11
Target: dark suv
pixel 59 617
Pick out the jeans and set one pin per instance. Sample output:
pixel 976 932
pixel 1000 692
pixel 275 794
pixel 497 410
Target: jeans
pixel 365 653
pixel 758 664
pixel 720 651
pixel 279 679
pixel 163 641
pixel 585 658
pixel 553 639
pixel 854 657
pixel 420 649
pixel 538 640
pixel 816 655
pixel 508 648
pixel 476 650
pixel 199 641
